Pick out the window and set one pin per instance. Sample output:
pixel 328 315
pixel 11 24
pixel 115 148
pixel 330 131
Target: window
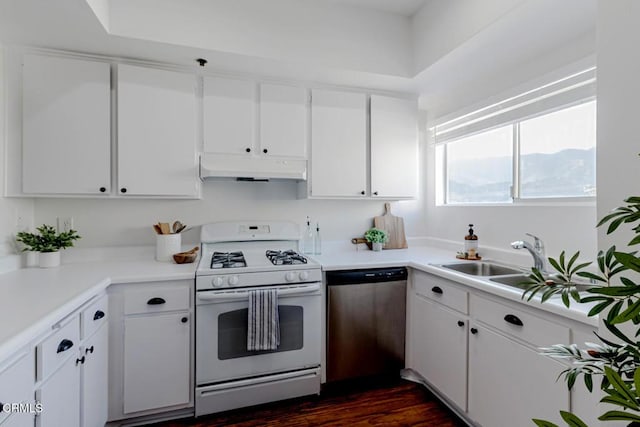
pixel 538 145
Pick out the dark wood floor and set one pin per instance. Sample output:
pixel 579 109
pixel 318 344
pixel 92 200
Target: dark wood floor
pixel 398 404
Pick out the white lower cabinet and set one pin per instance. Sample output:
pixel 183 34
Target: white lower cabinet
pixel 151 348
pixel 95 379
pixel 156 361
pixel 60 395
pixel 509 383
pixel 17 378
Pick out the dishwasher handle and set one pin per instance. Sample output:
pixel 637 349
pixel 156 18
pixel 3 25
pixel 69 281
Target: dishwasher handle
pixel 368 275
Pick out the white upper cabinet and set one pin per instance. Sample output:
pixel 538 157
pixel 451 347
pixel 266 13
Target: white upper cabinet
pixel 394 147
pixel 229 115
pixel 283 121
pixel 157 153
pixel 66 133
pixel 338 144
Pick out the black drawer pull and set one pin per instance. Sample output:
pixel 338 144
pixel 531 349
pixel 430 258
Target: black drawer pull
pixel 436 289
pixel 64 345
pixel 88 350
pixel 460 323
pixel 98 315
pixel 80 361
pixel 156 301
pixel 184 319
pixel 474 331
pixel 513 319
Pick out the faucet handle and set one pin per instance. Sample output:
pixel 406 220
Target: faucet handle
pixel 538 241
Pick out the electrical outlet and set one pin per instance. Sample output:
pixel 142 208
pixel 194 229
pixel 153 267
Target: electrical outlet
pixel 65 223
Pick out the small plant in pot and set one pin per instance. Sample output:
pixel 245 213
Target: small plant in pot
pixel 376 237
pixel 47 242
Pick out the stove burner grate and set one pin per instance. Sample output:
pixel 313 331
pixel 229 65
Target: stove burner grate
pixel 285 257
pixel 228 260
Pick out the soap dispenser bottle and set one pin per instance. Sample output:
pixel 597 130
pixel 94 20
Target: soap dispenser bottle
pixel 308 239
pixel 471 243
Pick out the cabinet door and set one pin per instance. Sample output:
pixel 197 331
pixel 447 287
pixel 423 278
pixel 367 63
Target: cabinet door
pixel 156 133
pixel 17 377
pixel 283 121
pixel 95 379
pixel 509 384
pixel 66 142
pixel 394 147
pixel 338 144
pixel 439 347
pixel 156 361
pixel 60 397
pixel 229 115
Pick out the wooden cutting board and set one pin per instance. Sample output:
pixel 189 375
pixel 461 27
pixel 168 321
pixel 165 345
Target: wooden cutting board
pixel 394 226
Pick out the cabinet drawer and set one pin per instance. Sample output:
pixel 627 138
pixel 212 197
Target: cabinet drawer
pixel 441 291
pixel 17 377
pixel 59 346
pixel 518 323
pixel 156 299
pixel 94 316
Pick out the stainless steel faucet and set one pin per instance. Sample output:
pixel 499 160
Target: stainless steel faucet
pixel 536 250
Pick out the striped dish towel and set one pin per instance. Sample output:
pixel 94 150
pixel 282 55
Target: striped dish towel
pixel 264 324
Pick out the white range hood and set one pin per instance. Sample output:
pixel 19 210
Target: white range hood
pixel 258 168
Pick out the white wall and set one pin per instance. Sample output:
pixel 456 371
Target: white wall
pixel 14 213
pixel 118 222
pixel 324 34
pixel 618 124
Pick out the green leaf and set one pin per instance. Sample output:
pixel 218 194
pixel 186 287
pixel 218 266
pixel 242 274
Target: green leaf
pixel 634 241
pixel 636 381
pixel 629 313
pixel 615 291
pixel 620 401
pixel 588 275
pixel 588 382
pixel 573 260
pixel 543 423
pixel 619 385
pixel 615 331
pixel 596 309
pixel 628 260
pixel 555 264
pixel 619 415
pixel 565 298
pixel 615 224
pixel 572 420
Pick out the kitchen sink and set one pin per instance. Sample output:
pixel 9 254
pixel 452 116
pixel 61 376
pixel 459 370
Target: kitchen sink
pixel 481 268
pixel 517 282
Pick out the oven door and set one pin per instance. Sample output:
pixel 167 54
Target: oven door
pixel 221 333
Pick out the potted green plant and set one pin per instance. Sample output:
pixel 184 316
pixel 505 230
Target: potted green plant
pixel 376 237
pixel 47 242
pixel 616 297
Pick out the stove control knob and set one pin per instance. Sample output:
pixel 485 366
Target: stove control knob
pixel 234 280
pixel 217 282
pixel 303 275
pixel 290 276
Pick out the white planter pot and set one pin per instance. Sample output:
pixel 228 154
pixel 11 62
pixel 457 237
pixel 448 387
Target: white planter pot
pixel 376 246
pixel 48 259
pixel 167 245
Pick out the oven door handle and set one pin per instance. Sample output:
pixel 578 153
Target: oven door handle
pixel 243 294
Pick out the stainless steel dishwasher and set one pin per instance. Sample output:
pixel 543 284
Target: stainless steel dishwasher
pixel 365 322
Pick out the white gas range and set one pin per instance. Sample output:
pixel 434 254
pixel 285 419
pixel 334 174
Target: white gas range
pixel 238 258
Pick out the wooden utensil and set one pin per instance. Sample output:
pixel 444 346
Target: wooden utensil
pixel 394 226
pixel 157 228
pixel 164 226
pixel 177 225
pixel 186 257
pixel 180 228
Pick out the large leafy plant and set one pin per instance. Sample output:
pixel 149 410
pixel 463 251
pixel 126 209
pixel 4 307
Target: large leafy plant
pixel 47 240
pixel 615 296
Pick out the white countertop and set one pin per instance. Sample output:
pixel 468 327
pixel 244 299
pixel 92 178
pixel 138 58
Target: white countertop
pixel 33 299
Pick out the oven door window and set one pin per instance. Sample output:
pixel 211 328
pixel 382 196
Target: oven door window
pixel 233 325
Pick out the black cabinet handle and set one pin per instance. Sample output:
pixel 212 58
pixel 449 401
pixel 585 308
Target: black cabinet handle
pixel 362 192
pixel 184 319
pixel 513 319
pixel 474 331
pixel 156 301
pixel 248 150
pixel 80 361
pixel 64 345
pixel 460 323
pixel 265 151
pixel 436 290
pixel 375 193
pixel 98 315
pixel 88 350
pixel 103 189
pixel 123 190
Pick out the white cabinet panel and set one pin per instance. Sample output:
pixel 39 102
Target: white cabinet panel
pixel 95 379
pixel 66 126
pixel 17 377
pixel 338 144
pixel 229 115
pixel 60 397
pixel 156 361
pixel 283 120
pixel 156 133
pixel 510 383
pixel 394 147
pixel 439 347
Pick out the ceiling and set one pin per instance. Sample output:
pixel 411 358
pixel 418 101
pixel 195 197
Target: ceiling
pixel 400 7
